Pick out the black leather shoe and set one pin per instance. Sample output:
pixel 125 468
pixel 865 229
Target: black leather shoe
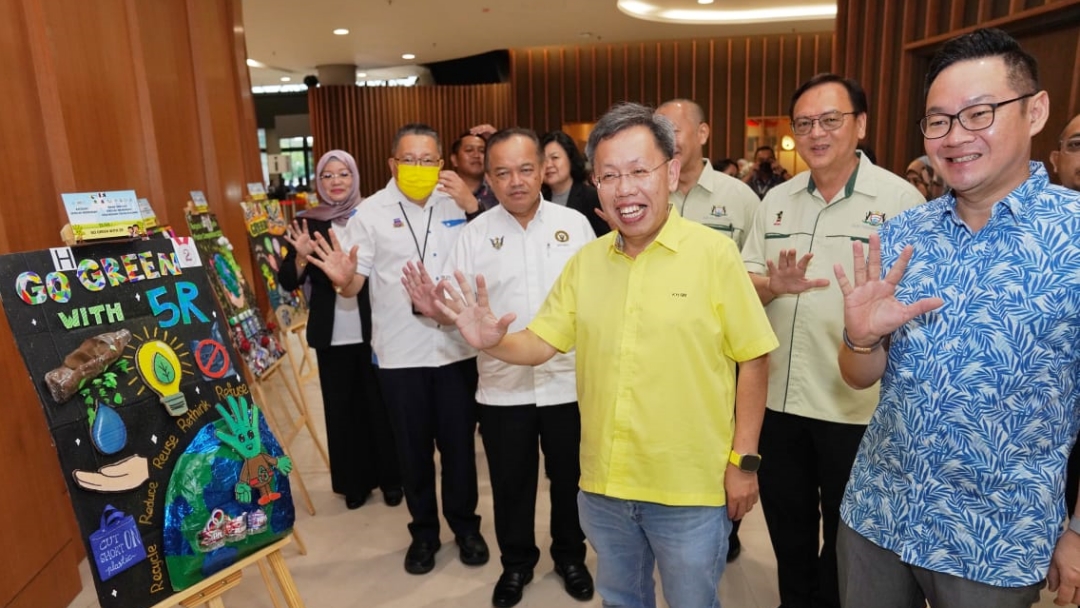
pixel 353 501
pixel 576 579
pixel 420 558
pixel 509 588
pixel 393 497
pixel 734 549
pixel 474 551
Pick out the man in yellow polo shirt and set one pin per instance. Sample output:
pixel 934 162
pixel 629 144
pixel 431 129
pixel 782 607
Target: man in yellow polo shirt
pixel 814 420
pixel 659 311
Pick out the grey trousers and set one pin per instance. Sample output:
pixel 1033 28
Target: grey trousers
pixel 872 576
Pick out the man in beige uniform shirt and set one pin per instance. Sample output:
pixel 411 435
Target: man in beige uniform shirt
pixel 814 420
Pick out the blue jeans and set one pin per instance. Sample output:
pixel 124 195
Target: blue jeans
pixel 688 544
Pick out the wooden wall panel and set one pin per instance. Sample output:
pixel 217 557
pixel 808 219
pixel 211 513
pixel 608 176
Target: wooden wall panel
pixel 103 95
pixel 363 120
pixel 892 63
pixel 732 78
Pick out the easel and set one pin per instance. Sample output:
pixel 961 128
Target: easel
pixel 210 590
pixel 297 326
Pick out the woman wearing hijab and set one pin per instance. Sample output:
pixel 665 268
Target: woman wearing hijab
pixel 566 181
pixel 362 451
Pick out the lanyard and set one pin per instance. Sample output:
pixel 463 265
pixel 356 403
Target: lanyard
pixel 416 241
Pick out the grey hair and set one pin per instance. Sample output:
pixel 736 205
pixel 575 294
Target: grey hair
pixel 415 128
pixel 626 115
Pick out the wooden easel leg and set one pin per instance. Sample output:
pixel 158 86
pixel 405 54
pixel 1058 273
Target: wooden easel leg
pixel 300 400
pixel 264 571
pixel 300 546
pixel 285 580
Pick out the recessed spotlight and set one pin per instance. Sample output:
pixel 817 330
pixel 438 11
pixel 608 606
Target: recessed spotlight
pixel 362 75
pixel 704 1
pixel 255 64
pixel 285 79
pixel 408 56
pixel 341 31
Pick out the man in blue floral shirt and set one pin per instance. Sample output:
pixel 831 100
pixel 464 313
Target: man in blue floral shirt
pixel 968 311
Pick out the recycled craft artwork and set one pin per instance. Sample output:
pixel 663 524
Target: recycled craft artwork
pixel 257 345
pixel 266 226
pixel 172 471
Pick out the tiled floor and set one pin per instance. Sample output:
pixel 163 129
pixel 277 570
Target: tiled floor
pixel 355 557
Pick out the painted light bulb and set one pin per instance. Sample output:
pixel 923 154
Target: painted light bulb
pixel 160 370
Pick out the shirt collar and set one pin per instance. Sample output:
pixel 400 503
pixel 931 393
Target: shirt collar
pixel 707 178
pixel 854 184
pixel 1015 203
pixel 671 233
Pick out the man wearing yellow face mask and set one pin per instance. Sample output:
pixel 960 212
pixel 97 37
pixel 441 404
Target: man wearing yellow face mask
pixel 427 373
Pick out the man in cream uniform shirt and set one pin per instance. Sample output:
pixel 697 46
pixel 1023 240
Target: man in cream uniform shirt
pixel 427 374
pixel 520 247
pixel 705 195
pixel 814 420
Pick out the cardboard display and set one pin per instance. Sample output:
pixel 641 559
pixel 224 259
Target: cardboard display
pixel 145 407
pixel 243 323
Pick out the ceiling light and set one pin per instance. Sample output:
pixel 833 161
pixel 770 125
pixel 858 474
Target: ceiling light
pixel 255 64
pixel 362 75
pixel 408 56
pixel 704 1
pixel 341 31
pixel 285 79
pixel 651 12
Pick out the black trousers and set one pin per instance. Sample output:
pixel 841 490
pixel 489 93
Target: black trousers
pixel 1072 479
pixel 805 465
pixel 435 407
pixel 358 434
pixel 510 435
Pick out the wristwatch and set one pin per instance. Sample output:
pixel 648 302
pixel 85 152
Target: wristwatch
pixel 749 463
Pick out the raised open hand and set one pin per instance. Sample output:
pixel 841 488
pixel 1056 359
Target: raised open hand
pixel 332 259
pixel 787 276
pixel 871 310
pixel 472 315
pixel 452 184
pixel 297 236
pixel 423 291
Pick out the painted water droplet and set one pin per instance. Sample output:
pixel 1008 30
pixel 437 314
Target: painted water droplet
pixel 108 432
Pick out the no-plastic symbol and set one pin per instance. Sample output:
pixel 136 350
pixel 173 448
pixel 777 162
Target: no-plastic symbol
pixel 212 359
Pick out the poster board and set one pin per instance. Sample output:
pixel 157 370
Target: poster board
pixel 266 230
pixel 258 346
pixel 171 469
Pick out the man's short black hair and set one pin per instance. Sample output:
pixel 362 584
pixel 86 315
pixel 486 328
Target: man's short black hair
pixel 763 148
pixel 456 145
pixel 854 90
pixel 500 136
pixel 987 42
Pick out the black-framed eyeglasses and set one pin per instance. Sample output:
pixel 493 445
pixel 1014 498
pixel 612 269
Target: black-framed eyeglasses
pixel 973 118
pixel 637 176
pixel 829 121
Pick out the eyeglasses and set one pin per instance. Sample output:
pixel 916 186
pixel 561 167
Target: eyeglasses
pixel 637 176
pixel 829 121
pixel 973 118
pixel 421 162
pixel 1071 146
pixel 330 176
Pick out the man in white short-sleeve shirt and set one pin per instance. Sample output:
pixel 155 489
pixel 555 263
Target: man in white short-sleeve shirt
pixel 520 247
pixel 427 373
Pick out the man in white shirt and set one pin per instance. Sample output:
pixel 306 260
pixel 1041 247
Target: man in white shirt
pixel 520 247
pixel 427 373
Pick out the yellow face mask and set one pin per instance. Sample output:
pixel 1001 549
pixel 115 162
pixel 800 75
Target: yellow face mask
pixel 417 182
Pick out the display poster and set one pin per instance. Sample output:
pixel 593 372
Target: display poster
pixel 199 200
pixel 266 229
pixel 103 215
pixel 244 324
pixel 171 468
